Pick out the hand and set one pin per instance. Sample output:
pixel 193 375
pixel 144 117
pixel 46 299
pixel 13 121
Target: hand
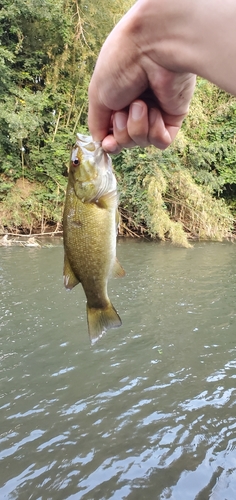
pixel 133 98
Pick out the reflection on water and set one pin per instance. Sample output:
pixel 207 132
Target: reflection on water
pixel 150 411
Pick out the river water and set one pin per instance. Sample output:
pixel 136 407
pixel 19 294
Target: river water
pixel 149 412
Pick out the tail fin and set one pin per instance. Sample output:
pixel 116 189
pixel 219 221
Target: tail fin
pixel 100 320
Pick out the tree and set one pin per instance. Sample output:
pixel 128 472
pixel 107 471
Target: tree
pixel 48 51
pixel 47 54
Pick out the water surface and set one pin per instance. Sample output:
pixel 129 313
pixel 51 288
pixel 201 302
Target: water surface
pixel 149 412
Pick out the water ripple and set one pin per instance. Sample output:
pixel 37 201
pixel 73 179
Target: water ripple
pixel 149 412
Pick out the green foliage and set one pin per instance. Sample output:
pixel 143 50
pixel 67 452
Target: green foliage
pixel 48 50
pixel 201 215
pixel 47 53
pixel 28 207
pixel 159 198
pixel 209 129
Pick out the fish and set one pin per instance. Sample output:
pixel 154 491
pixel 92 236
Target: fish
pixel 90 224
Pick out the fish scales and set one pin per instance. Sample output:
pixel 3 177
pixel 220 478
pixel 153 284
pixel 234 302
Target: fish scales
pixel 89 229
pixel 87 236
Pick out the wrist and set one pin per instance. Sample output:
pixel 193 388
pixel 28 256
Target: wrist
pixel 160 29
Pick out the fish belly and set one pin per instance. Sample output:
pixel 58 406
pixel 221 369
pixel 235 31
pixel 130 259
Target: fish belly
pixel 90 246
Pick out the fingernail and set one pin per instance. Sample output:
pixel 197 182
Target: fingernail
pixel 120 120
pixel 152 116
pixel 136 111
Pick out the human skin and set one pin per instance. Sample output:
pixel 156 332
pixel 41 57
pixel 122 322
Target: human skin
pixel 144 78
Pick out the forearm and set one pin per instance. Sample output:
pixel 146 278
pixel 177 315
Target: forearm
pixel 188 36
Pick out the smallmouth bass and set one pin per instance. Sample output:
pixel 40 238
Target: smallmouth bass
pixel 90 224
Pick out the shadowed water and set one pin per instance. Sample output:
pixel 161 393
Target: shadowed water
pixel 149 412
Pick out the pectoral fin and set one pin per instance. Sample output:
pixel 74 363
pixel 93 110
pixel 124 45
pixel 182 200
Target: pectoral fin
pixel 117 218
pixel 107 201
pixel 70 280
pixel 100 320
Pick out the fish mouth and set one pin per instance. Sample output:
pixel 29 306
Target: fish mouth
pixel 87 141
pixel 84 149
pixel 87 144
pixel 91 170
pixel 91 153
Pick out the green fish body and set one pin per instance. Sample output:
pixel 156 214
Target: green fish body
pixel 90 229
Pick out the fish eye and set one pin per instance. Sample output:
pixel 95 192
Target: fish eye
pixel 75 162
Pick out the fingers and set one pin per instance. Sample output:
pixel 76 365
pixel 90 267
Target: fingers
pixel 163 127
pixel 99 117
pixel 131 127
pixel 141 126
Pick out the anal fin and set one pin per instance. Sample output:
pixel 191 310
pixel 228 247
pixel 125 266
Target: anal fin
pixel 118 271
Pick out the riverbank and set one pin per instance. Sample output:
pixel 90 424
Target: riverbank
pixel 29 209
